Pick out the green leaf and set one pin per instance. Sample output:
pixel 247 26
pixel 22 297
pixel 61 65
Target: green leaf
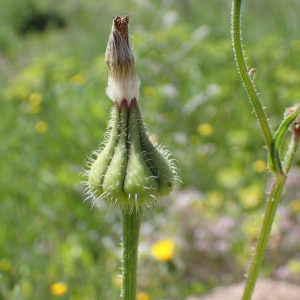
pixel 275 165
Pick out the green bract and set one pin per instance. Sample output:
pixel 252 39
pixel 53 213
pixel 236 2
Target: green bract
pixel 130 170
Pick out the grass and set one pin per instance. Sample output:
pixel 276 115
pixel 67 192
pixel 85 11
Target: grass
pixel 47 233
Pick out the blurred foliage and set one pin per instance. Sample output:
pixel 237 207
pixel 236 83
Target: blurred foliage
pixel 54 113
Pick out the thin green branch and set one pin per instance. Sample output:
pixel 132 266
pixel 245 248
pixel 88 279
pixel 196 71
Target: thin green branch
pixel 291 154
pixel 241 64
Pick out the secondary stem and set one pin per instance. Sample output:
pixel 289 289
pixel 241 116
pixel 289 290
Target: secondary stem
pixel 291 154
pixel 279 181
pixel 240 60
pixel 267 223
pixel 131 229
pixel 262 240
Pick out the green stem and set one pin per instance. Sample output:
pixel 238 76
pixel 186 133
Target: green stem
pixel 267 223
pixel 241 64
pixel 291 154
pixel 131 229
pixel 279 180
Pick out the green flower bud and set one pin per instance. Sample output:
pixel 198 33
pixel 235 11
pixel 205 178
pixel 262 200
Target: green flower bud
pixel 129 170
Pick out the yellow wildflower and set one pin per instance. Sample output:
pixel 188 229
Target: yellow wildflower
pixel 5 264
pixel 163 251
pixel 58 288
pixel 142 296
pixel 259 166
pixel 79 78
pixel 34 109
pixel 41 127
pixel 116 280
pixel 205 129
pixel 35 99
pixel 250 196
pixel 293 266
pixel 295 206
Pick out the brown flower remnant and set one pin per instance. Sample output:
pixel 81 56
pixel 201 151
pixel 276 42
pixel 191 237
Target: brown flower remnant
pixel 123 82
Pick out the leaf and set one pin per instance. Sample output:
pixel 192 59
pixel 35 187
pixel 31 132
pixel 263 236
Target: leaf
pixel 274 155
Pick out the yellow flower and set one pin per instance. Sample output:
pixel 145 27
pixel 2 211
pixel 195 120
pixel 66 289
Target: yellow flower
pixel 293 266
pixel 5 264
pixel 163 251
pixel 259 166
pixel 116 280
pixel 142 296
pixel 295 206
pixel 41 127
pixel 78 79
pixel 214 199
pixel 58 288
pixel 35 99
pixel 34 109
pixel 250 196
pixel 205 129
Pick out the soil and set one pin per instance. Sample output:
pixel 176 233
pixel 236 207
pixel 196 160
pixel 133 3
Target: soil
pixel 265 289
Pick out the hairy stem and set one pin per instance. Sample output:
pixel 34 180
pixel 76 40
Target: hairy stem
pixel 131 229
pixel 291 154
pixel 241 64
pixel 267 224
pixel 279 180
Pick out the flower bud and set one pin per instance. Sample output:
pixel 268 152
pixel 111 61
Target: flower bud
pixel 129 170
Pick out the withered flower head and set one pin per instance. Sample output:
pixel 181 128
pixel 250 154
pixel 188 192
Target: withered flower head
pixel 123 82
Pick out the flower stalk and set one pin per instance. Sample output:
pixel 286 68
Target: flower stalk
pixel 129 171
pixel 131 228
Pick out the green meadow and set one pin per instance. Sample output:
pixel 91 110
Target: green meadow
pixel 54 113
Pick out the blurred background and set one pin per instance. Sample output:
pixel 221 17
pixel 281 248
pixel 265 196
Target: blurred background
pixel 53 114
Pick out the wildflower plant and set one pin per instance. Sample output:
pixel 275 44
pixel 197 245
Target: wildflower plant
pixel 128 171
pixel 277 167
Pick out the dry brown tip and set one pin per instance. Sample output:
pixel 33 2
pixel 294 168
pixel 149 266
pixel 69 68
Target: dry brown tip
pixel 121 25
pixel 118 51
pixel 123 82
